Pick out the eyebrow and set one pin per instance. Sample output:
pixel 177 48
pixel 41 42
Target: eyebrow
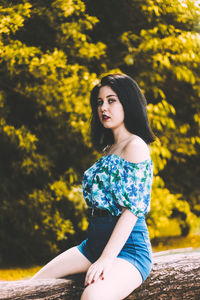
pixel 107 96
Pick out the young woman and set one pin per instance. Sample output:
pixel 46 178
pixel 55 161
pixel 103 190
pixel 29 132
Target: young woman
pixel 117 255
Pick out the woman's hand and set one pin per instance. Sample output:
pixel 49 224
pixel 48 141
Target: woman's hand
pixel 98 270
pixel 115 243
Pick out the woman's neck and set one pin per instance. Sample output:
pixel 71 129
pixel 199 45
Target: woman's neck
pixel 121 135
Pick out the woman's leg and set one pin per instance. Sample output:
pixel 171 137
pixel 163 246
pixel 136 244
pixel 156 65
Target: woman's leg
pixel 71 261
pixel 119 282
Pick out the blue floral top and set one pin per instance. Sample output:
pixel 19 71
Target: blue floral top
pixel 113 182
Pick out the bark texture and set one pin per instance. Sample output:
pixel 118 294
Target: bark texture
pixel 174 276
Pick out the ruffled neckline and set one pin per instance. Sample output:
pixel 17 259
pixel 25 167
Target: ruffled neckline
pixel 125 160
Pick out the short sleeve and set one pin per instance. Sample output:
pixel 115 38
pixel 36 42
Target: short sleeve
pixel 131 186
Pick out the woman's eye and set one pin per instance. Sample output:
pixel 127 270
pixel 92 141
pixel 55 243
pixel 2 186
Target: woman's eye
pixel 111 100
pixel 99 102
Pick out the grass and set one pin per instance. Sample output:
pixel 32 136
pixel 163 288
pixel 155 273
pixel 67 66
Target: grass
pixel 18 273
pixel 161 244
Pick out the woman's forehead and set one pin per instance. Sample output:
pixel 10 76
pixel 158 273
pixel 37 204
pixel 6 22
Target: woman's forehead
pixel 106 91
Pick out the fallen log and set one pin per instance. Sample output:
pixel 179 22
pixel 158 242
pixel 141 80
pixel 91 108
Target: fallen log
pixel 173 276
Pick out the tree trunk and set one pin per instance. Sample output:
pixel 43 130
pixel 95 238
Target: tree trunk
pixel 174 276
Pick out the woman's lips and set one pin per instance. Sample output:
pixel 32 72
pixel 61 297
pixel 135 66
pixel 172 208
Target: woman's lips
pixel 105 118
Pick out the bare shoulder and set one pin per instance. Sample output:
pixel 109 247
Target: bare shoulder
pixel 136 150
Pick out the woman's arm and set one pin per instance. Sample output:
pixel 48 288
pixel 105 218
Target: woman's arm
pixel 116 242
pixel 120 234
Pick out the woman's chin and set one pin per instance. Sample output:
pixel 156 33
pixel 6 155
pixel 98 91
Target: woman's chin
pixel 106 125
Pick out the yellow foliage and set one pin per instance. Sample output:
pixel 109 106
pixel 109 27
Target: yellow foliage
pixel 162 204
pixel 63 226
pixel 60 189
pixel 11 18
pixel 22 137
pixel 34 161
pixel 17 54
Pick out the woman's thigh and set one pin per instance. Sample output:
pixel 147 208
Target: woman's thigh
pixel 118 283
pixel 71 261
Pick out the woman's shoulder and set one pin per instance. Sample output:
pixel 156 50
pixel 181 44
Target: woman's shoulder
pixel 136 150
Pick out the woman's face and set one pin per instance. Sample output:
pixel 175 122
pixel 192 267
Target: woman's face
pixel 110 109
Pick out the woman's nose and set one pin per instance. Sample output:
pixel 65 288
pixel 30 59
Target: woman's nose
pixel 104 106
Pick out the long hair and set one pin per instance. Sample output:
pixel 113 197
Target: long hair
pixel 135 114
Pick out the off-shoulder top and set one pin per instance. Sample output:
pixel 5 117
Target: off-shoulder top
pixel 113 182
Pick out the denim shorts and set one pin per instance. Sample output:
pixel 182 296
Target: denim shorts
pixel 137 249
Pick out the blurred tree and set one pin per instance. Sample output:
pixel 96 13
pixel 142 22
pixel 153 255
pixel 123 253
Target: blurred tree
pixel 158 44
pixel 49 57
pixel 44 92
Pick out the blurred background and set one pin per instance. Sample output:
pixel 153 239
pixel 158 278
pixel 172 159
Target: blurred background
pixel 52 53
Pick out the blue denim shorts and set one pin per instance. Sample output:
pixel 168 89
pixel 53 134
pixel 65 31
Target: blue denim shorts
pixel 137 249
